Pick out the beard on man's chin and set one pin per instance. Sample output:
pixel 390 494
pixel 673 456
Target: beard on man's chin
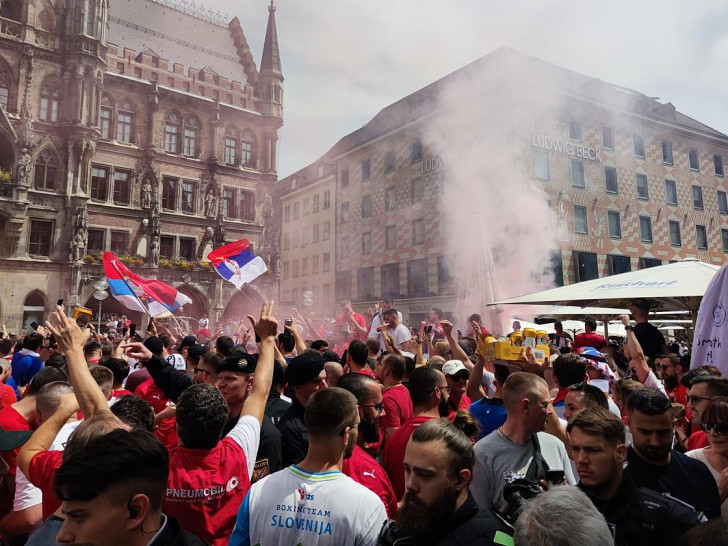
pixel 415 518
pixel 442 408
pixel 369 431
pixel 349 446
pixel 670 381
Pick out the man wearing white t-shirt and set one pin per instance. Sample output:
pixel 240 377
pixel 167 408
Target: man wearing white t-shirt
pixel 399 333
pixel 387 304
pixel 313 502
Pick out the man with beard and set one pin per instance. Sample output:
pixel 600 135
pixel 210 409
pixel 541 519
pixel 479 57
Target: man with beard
pixel 313 502
pixel 360 466
pixel 672 373
pixel 655 465
pixel 598 450
pixel 429 391
pixel 437 507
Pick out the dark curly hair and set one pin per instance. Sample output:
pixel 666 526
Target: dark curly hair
pixel 201 416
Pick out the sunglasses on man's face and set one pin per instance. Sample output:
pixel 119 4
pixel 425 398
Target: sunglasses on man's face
pixel 664 367
pixel 693 398
pixel 719 428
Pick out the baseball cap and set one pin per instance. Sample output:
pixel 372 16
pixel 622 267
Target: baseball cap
pixel 240 363
pixel 304 368
pixel 641 303
pixel 195 352
pixel 451 367
pixel 597 360
pixel 13 439
pixel 187 341
pixel 330 356
pixel 155 345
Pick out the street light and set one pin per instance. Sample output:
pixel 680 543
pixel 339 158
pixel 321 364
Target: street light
pixel 100 294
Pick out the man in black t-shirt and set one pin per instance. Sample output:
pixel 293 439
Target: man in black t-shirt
pixel 650 338
pixel 655 465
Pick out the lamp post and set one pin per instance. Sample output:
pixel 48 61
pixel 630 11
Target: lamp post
pixel 100 294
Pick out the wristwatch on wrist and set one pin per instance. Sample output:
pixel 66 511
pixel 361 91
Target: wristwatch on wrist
pixel 629 327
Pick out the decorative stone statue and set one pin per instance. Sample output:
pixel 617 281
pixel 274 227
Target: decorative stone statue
pixel 25 162
pixel 154 225
pixel 210 201
pixel 220 235
pixel 146 197
pixel 80 233
pixel 154 251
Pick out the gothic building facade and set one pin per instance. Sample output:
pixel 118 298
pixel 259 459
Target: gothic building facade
pixel 140 127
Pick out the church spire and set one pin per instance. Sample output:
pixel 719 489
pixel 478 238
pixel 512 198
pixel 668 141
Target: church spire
pixel 271 61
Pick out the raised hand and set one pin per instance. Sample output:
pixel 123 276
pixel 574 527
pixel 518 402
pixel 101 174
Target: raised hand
pixel 68 334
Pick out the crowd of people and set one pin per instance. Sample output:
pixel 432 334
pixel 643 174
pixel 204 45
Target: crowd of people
pixel 357 430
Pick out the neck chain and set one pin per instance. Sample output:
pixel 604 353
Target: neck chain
pixel 500 429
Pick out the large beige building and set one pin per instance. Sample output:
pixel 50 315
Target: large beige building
pixel 632 182
pixel 141 127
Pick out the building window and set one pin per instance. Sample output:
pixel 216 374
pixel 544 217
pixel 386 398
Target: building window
pixel 305 236
pixel 366 206
pixel 718 163
pixel 574 129
pixel 724 239
pixel 306 206
pixel 296 239
pixel 610 175
pixel 95 241
pixel 287 213
pixel 287 241
pixel 390 237
pixel 390 280
pixel 295 268
pixel 166 246
pixel 390 198
pixel 618 264
pixel 702 237
pixel 320 171
pixel 693 160
pixel 577 174
pixel 365 283
pixel 722 202
pixel 46 170
pixel 541 165
pixel 389 161
pixel 124 121
pixel 49 103
pixel 586 266
pixel 343 285
pixel 105 122
pixel 670 193
pixel 4 95
pixel 99 183
pixel 667 152
pixel 231 146
pixel 304 266
pixel 607 138
pixel 119 241
pixel 247 206
pixel 581 224
pixel 41 238
pixel 189 191
pixel 187 249
pixel 327 231
pixel 296 210
pixel 316 233
pixel 416 151
pixel 171 133
pixel 638 145
pixel 645 229
pixel 228 203
pixel 643 191
pixel 366 243
pixel 417 277
pixel 315 264
pixel 286 270
pixel 418 190
pixel 345 178
pixel 247 149
pixel 169 193
pixel 326 293
pixel 192 125
pixel 344 216
pixel 327 199
pixel 418 231
pixel 316 203
pixel 675 236
pixel 122 187
pixel 615 224
pixel 697 197
pixel 344 247
pixel 366 169
pixel 646 263
pixel 327 262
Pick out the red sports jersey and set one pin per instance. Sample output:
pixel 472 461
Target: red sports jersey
pixel 394 449
pixel 8 397
pixel 166 430
pixel 363 469
pixel 10 419
pixel 42 470
pixel 397 407
pixel 205 489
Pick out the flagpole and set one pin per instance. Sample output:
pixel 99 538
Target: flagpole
pixel 123 278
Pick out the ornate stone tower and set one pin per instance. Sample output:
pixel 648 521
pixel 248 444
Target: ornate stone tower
pixel 269 90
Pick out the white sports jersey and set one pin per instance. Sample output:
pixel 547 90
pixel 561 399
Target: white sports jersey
pixel 295 507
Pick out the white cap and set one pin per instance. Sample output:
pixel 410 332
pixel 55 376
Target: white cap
pixel 451 367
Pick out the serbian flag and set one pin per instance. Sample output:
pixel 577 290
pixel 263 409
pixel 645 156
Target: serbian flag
pixel 235 263
pixel 136 292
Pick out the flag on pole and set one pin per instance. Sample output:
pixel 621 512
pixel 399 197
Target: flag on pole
pixel 235 263
pixel 140 294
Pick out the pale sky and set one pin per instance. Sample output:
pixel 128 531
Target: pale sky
pixel 344 60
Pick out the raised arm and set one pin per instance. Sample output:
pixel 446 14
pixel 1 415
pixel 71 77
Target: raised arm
pixel 636 354
pixel 475 381
pixel 455 348
pixel 300 344
pixel 266 328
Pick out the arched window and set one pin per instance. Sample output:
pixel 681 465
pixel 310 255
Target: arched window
pixel 90 17
pixel 125 122
pixel 172 124
pixel 6 82
pixel 46 21
pixel 11 9
pixel 106 111
pixel 46 170
pixel 231 145
pixel 50 99
pixel 192 126
pixel 247 149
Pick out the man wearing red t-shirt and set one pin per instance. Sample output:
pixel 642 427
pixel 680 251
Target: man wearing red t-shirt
pixel 356 358
pixel 429 391
pixel 457 376
pixel 672 373
pixel 396 397
pixel 589 338
pixel 354 324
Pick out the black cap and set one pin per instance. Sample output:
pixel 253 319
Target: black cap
pixel 13 439
pixel 240 363
pixel 279 374
pixel 331 356
pixel 304 368
pixel 155 345
pixel 195 352
pixel 641 303
pixel 187 341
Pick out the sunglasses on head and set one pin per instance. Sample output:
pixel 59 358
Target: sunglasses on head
pixel 641 401
pixel 719 428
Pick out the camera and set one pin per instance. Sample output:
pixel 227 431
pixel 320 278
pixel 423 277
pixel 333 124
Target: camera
pixel 517 491
pixel 289 322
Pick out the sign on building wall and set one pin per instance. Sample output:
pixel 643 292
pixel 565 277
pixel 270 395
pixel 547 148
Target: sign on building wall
pixel 565 147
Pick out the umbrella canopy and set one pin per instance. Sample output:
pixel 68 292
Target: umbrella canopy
pixel 676 286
